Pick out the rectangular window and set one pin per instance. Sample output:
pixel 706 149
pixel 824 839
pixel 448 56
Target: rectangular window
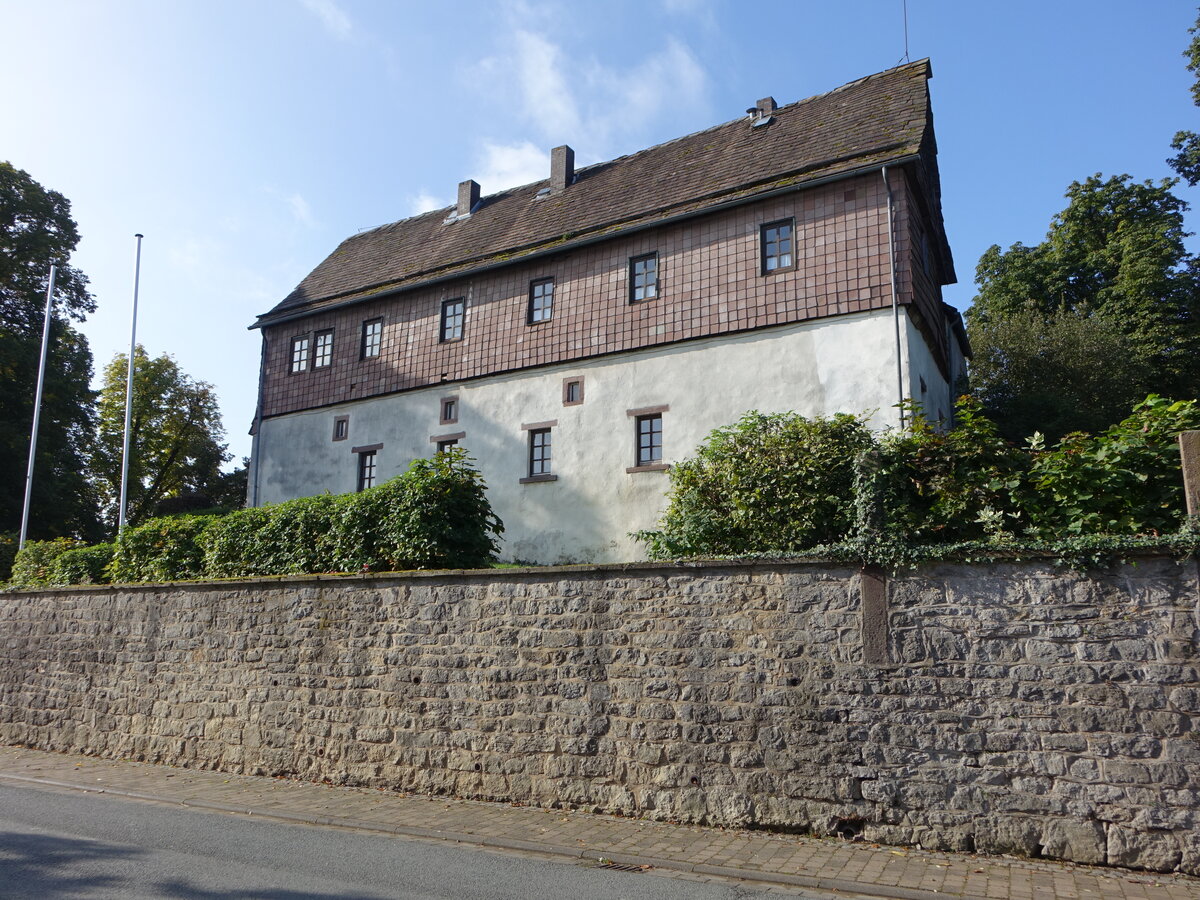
pixel 372 338
pixel 649 439
pixel 453 313
pixel 539 452
pixel 443 446
pixel 777 251
pixel 541 300
pixel 449 414
pixel 341 428
pixel 300 353
pixel 366 469
pixel 572 391
pixel 643 277
pixel 323 349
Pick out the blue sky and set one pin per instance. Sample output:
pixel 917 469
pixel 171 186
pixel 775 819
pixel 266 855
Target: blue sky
pixel 246 138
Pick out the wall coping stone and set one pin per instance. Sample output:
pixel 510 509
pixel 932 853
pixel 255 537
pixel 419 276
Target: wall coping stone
pixel 1001 557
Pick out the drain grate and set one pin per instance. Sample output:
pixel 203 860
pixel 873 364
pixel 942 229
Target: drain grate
pixel 620 867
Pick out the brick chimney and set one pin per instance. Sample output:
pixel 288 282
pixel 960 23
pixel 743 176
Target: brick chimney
pixel 562 167
pixel 765 107
pixel 468 196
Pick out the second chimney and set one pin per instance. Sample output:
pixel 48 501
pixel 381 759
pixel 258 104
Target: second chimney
pixel 468 196
pixel 765 107
pixel 562 167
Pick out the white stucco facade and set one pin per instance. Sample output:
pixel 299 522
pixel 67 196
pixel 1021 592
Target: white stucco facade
pixel 839 364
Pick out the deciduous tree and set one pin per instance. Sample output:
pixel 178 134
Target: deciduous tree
pixel 1108 306
pixel 176 439
pixel 36 230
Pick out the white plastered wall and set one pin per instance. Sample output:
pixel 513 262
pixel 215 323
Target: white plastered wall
pixel 842 364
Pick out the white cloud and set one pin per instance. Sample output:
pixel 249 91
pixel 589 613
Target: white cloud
pixel 598 109
pixel 503 166
pixel 332 17
pixel 301 211
pixel 544 90
pixel 424 202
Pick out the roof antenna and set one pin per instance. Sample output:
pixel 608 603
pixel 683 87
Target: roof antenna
pixel 905 58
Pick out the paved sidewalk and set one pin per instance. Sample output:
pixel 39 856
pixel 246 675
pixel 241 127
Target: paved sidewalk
pixel 806 862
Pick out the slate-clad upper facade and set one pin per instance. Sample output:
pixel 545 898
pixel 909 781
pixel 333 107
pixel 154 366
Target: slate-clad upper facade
pixel 697 202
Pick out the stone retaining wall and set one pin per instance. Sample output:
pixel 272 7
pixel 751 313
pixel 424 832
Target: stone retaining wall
pixel 1008 708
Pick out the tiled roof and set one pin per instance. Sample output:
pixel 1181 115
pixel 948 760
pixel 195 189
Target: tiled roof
pixel 867 122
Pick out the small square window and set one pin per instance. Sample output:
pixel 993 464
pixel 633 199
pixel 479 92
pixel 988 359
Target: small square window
pixel 366 470
pixel 300 353
pixel 539 452
pixel 649 439
pixel 449 414
pixel 372 338
pixel 443 446
pixel 453 315
pixel 643 277
pixel 541 300
pixel 323 349
pixel 572 391
pixel 777 250
pixel 341 428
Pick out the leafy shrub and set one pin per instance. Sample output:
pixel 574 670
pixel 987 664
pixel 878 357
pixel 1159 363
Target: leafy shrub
pixel 8 551
pixel 166 549
pixel 1125 480
pixel 434 515
pixel 286 538
pixel 34 563
pixel 775 483
pixel 83 565
pixel 948 485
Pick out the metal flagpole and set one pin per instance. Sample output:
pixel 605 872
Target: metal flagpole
pixel 137 271
pixel 37 406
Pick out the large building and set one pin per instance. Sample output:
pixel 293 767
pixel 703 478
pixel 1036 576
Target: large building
pixel 578 334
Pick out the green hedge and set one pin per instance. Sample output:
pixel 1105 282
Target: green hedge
pixel 782 485
pixel 166 549
pixel 8 552
pixel 34 565
pixel 435 515
pixel 83 565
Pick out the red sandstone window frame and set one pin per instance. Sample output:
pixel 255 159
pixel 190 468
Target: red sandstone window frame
pixel 368 466
pixel 647 451
pixel 576 383
pixel 448 414
pixel 341 428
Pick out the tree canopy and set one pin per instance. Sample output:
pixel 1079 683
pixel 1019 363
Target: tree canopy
pixel 175 435
pixel 36 230
pixel 1105 310
pixel 1187 143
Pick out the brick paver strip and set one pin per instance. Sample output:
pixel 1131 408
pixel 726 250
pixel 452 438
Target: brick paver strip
pixel 806 862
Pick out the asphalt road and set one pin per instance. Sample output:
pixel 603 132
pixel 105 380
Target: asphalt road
pixel 57 843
